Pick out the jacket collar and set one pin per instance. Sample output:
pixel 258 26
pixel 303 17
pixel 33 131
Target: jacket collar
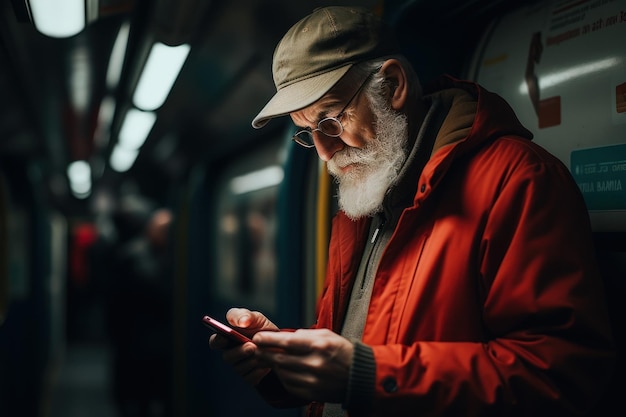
pixel 458 114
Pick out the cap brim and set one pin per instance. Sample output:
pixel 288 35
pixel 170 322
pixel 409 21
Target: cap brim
pixel 299 95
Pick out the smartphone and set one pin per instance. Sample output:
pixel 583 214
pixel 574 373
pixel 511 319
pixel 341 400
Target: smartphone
pixel 225 330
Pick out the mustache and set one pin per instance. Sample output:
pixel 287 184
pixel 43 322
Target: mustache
pixel 349 156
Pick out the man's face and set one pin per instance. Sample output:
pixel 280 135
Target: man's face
pixel 367 157
pixel 375 166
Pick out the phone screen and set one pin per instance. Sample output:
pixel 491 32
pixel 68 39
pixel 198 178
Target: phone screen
pixel 225 330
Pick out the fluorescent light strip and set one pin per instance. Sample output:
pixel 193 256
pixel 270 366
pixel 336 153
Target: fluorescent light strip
pixel 136 128
pixel 257 180
pixel 122 159
pixel 116 61
pixel 80 78
pixel 159 74
pixel 58 18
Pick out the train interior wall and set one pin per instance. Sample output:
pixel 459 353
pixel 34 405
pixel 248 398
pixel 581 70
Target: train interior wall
pixel 227 248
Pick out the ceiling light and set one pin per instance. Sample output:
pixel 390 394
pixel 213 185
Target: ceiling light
pixel 58 18
pixel 159 74
pixel 135 128
pixel 116 61
pixel 79 175
pixel 80 78
pixel 122 159
pixel 79 171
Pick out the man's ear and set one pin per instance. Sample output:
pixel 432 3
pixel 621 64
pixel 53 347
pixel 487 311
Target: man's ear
pixel 396 80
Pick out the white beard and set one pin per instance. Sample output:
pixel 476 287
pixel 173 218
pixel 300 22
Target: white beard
pixel 362 189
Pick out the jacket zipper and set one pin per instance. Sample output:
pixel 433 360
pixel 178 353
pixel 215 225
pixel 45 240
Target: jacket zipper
pixel 372 246
pixel 378 229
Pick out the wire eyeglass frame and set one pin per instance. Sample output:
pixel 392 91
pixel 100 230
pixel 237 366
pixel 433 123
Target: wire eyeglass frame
pixel 329 126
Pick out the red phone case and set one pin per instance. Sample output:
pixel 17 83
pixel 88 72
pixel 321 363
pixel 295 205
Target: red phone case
pixel 225 330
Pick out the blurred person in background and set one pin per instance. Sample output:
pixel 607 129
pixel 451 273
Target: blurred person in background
pixel 140 311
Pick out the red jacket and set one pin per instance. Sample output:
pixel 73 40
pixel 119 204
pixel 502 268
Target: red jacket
pixel 487 299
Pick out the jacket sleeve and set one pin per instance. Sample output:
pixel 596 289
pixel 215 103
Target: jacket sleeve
pixel 547 349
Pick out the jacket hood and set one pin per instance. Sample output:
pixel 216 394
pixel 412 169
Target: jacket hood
pixel 460 116
pixel 476 114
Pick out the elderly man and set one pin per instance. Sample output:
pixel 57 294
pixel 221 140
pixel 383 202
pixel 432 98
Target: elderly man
pixel 461 278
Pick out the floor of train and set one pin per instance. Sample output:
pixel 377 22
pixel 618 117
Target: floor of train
pixel 81 386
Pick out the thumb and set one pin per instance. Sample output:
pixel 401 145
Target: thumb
pixel 251 320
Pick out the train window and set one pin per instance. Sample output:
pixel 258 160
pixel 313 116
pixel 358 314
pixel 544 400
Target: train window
pixel 247 193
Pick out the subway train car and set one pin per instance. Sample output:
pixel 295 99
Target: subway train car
pixel 135 196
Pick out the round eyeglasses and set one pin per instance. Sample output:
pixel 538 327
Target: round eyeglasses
pixel 329 126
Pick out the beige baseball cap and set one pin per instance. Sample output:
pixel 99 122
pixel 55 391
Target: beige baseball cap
pixel 320 49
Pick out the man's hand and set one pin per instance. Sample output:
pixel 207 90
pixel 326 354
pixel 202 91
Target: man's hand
pixel 242 357
pixel 311 364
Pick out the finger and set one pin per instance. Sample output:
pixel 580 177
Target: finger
pixel 219 342
pixel 304 385
pixel 312 382
pixel 292 342
pixel 251 320
pixel 239 317
pixel 296 379
pixel 245 364
pixel 212 343
pixel 239 353
pixel 255 376
pixel 281 360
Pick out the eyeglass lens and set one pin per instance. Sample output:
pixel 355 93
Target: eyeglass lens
pixel 329 126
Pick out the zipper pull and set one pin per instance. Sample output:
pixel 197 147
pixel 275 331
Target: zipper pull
pixel 378 229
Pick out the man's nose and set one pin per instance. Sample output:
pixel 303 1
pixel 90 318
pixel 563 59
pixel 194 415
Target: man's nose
pixel 326 146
